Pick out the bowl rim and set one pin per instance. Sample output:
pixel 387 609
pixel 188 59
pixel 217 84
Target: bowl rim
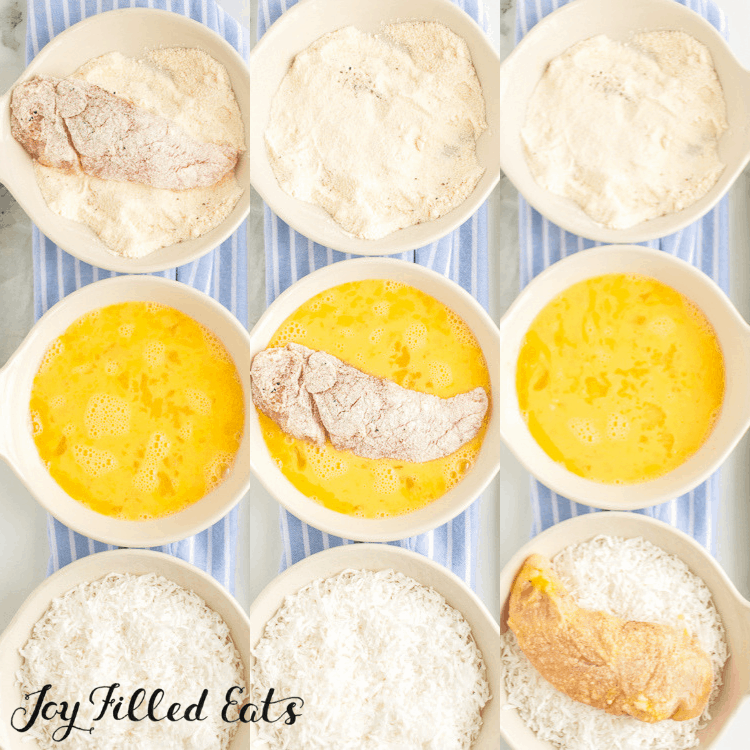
pixel 19 363
pixel 532 457
pixel 47 590
pixel 282 490
pixel 395 242
pixel 611 518
pixel 563 212
pixel 49 226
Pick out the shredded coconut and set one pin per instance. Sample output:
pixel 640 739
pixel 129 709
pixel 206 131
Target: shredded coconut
pixel 382 663
pixel 379 130
pixel 634 580
pixel 629 131
pixel 143 632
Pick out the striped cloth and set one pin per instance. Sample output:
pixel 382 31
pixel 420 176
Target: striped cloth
pixel 705 244
pixel 222 274
pixel 462 256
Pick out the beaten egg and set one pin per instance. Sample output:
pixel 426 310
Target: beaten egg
pixel 394 331
pixel 620 378
pixel 137 410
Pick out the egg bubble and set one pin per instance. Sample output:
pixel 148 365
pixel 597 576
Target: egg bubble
pixel 153 353
pixel 314 306
pixel 215 345
pixel 126 330
pixel 618 427
pixel 186 430
pixel 54 350
pixel 112 367
pixel 416 335
pixel 662 326
pixel 198 401
pixel 325 463
pixel 94 461
pixel 69 429
pixel 218 469
pixel 461 331
pixel 57 402
pixel 381 308
pixel 154 307
pixel 394 286
pixel 584 429
pixel 376 335
pixel 107 415
pixel 37 428
pixel 385 480
pixel 440 373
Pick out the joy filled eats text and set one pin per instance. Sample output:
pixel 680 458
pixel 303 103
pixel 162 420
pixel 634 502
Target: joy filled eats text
pixel 142 707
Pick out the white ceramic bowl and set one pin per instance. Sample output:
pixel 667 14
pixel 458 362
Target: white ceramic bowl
pixel 733 609
pixel 296 30
pixel 455 500
pixel 620 20
pixel 133 32
pixel 384 557
pixel 17 444
pixel 91 568
pixel 734 337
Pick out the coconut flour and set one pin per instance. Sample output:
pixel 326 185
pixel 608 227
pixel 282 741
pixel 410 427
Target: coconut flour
pixel 629 131
pixel 379 130
pixel 187 87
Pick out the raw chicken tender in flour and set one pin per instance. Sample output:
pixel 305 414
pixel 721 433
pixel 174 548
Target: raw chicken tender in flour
pixel 312 395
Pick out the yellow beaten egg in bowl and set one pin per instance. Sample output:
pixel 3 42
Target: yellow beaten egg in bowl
pixel 620 378
pixel 137 410
pixel 391 340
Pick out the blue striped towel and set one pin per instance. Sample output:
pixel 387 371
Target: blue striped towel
pixel 222 274
pixel 705 244
pixel 462 256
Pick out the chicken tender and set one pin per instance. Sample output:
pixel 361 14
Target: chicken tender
pixel 312 395
pixel 649 671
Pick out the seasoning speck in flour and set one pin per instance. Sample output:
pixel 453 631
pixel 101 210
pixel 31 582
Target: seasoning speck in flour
pixel 379 130
pixel 381 661
pixel 192 91
pixel 629 131
pixel 142 631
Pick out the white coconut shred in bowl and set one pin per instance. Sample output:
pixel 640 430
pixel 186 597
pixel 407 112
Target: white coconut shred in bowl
pixel 380 661
pixel 142 631
pixel 379 130
pixel 634 580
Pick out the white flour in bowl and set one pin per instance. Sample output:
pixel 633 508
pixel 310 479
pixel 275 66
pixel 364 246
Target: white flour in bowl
pixel 634 580
pixel 630 132
pixel 379 130
pixel 184 85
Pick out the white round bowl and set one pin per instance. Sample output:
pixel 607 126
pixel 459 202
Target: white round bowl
pixel 17 445
pixel 620 20
pixel 296 30
pixel 423 570
pixel 733 609
pixel 454 501
pixel 734 337
pixel 91 568
pixel 133 32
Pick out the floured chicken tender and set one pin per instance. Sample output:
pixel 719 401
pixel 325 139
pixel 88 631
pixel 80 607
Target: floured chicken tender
pixel 312 396
pixel 142 151
pixel 78 125
pixel 649 671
